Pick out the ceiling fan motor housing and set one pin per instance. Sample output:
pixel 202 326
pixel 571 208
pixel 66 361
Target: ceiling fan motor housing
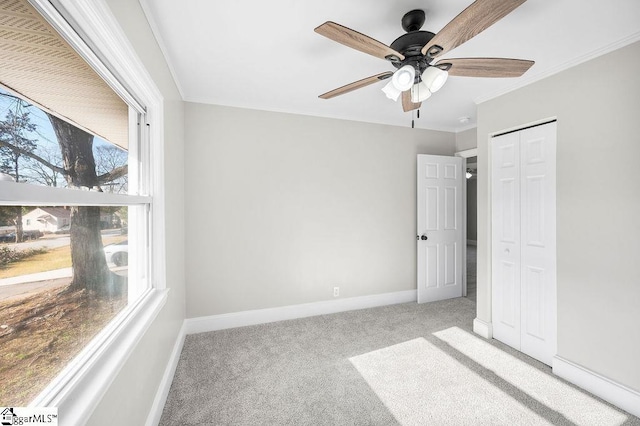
pixel 410 45
pixel 413 20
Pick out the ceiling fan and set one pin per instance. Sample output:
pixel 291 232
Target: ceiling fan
pixel 415 54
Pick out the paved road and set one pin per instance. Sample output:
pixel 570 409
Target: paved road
pixel 24 285
pixel 40 276
pixel 53 241
pixel 18 291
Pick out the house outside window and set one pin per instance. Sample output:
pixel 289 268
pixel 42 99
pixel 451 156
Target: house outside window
pixel 103 255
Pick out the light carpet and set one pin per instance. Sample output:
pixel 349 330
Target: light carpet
pixel 405 364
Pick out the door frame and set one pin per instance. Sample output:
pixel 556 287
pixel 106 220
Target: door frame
pixel 422 296
pixel 467 153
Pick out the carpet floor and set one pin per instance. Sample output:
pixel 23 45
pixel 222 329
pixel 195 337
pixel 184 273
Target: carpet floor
pixel 405 364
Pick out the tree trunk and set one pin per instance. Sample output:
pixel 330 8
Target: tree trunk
pixel 76 146
pixel 18 220
pixel 18 223
pixel 90 269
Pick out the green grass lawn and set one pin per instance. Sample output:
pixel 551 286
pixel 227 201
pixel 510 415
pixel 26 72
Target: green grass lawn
pixel 56 258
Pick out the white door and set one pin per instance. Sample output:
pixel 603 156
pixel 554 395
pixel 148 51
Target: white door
pixel 524 240
pixel 440 227
pixel 505 225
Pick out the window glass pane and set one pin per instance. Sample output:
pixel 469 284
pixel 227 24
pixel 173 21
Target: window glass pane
pixel 73 271
pixel 39 148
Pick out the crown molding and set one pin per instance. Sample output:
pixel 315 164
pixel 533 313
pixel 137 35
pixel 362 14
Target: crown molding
pixel 155 29
pixel 562 67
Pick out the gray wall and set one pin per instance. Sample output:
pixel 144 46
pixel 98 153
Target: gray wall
pixel 472 209
pixel 130 396
pixel 597 105
pixel 467 139
pixel 282 207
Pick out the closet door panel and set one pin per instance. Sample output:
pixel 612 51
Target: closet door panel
pixel 538 255
pixel 505 197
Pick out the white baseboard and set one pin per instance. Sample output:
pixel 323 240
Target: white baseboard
pixel 482 328
pixel 613 392
pixel 167 378
pixel 263 316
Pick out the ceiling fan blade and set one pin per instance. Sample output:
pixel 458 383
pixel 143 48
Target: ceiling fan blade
pixel 356 85
pixel 485 67
pixel 358 41
pixel 407 105
pixel 479 16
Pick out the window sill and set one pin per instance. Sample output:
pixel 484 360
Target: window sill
pixel 78 389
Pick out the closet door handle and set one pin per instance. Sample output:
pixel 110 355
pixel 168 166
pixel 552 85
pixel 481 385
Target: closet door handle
pixel 507 251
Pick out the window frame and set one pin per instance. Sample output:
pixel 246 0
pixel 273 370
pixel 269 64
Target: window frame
pixel 93 31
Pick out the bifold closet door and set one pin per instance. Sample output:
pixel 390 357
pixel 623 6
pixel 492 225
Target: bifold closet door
pixel 524 240
pixel 505 228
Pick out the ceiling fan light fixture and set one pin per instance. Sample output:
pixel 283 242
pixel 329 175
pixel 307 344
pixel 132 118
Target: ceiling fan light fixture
pixel 419 93
pixel 434 78
pixel 391 91
pixel 403 78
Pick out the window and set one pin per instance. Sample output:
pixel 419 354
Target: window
pixel 83 167
pixel 32 152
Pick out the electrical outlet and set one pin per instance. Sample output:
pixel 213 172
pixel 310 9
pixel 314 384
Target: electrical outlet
pixel 336 291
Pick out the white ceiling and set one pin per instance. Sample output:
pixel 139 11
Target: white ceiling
pixel 265 55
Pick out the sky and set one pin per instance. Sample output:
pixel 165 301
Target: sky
pixel 47 145
pixel 44 133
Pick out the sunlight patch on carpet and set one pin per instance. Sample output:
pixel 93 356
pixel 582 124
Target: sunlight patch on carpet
pixel 579 407
pixel 421 384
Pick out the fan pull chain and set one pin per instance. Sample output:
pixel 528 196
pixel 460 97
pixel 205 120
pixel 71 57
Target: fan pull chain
pixel 413 122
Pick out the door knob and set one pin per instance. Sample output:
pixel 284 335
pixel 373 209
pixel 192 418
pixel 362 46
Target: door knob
pixel 423 237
